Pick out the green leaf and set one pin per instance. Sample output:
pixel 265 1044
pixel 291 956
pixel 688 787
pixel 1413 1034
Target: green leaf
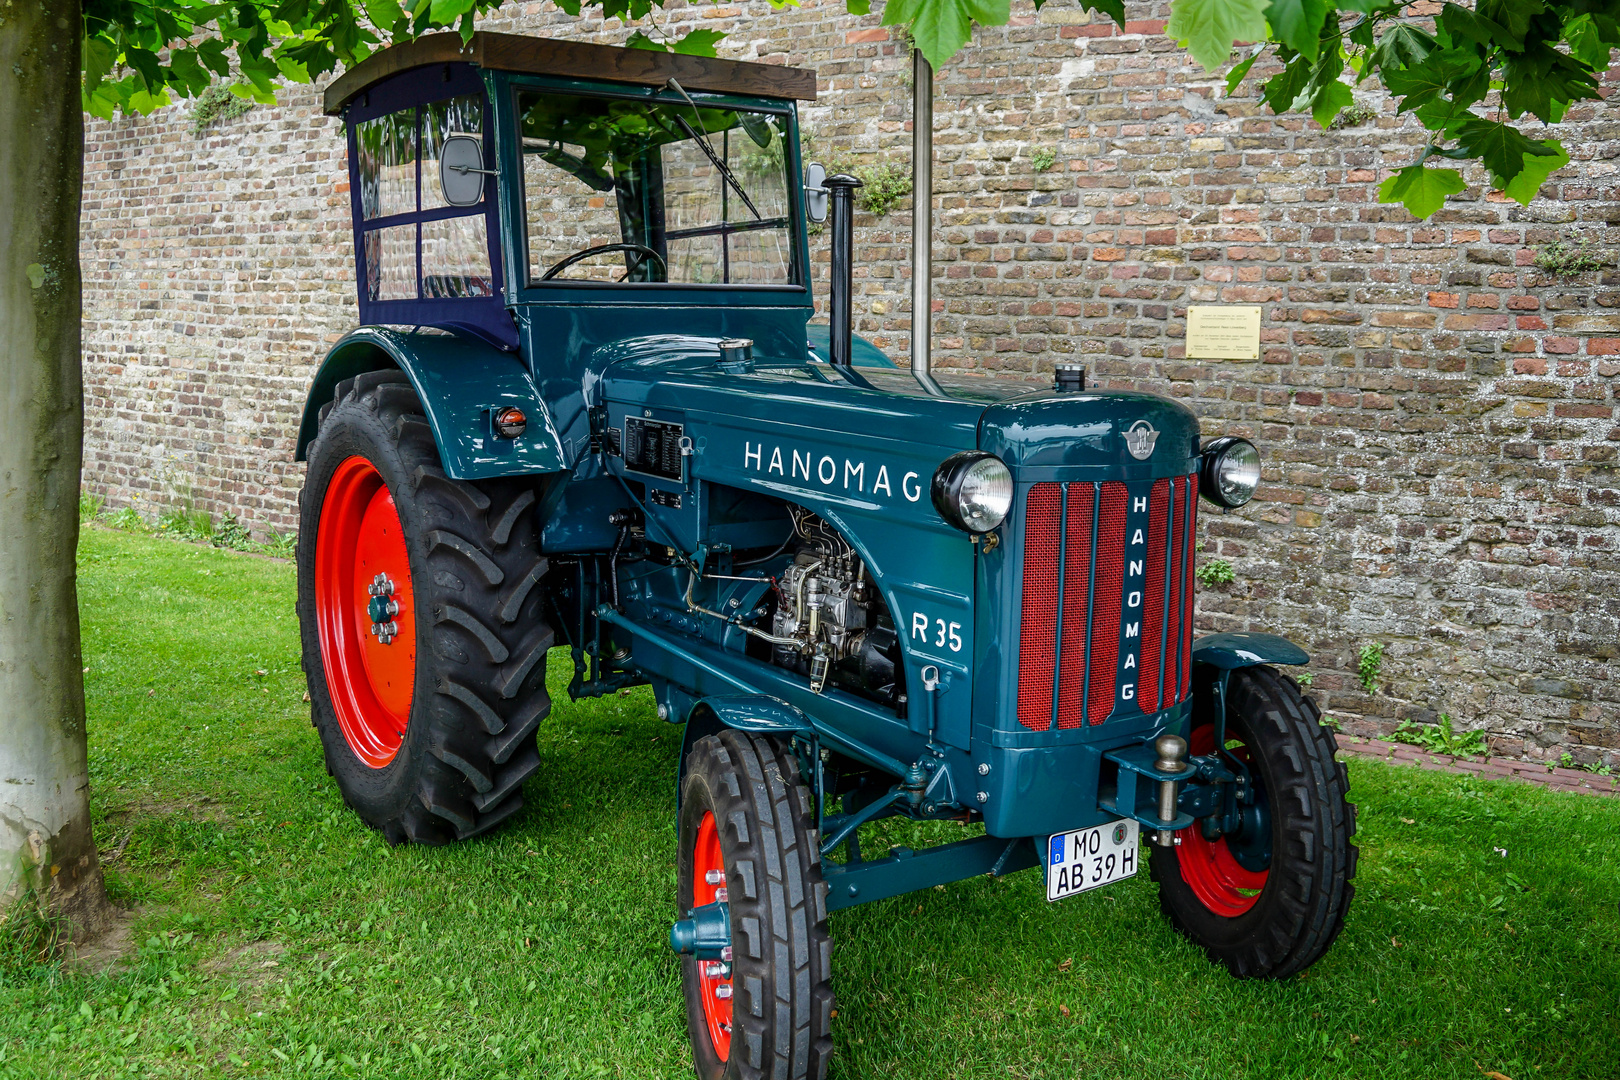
pixel 640 40
pixel 446 12
pixel 1502 147
pixel 147 67
pixel 384 14
pixel 858 7
pixel 99 57
pixel 1430 80
pixel 1208 28
pixel 699 43
pixel 1282 89
pixel 1586 42
pixel 36 279
pixel 1421 190
pixel 1543 81
pixel 1297 24
pixel 1114 9
pixel 1327 102
pixel 1459 22
pixel 1401 46
pixel 939 28
pixel 1239 72
pixel 1537 167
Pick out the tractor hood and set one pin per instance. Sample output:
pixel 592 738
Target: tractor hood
pixel 1032 428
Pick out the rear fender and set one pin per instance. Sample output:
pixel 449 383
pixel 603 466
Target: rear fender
pixel 461 382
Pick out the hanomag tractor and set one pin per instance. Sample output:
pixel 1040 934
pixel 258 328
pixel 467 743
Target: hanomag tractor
pixel 587 406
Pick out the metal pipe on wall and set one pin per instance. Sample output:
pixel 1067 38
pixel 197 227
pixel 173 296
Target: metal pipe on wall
pixel 922 217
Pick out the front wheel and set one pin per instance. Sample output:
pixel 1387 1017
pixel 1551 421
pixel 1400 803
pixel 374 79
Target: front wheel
pixel 748 837
pixel 1268 899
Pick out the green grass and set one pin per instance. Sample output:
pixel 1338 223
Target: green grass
pixel 282 938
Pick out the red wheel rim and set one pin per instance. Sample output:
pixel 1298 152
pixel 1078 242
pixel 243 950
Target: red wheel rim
pixel 370 681
pixel 1209 868
pixel 707 862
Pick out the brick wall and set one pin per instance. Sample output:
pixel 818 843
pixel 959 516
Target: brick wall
pixel 1437 415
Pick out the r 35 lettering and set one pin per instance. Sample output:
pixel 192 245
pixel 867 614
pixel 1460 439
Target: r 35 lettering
pixel 941 635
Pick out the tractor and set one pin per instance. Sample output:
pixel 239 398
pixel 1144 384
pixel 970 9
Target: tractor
pixel 588 406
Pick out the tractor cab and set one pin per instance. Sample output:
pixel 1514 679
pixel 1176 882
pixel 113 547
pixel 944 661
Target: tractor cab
pixel 492 182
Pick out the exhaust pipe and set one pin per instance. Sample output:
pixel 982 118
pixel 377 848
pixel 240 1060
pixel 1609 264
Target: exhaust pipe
pixel 841 295
pixel 922 219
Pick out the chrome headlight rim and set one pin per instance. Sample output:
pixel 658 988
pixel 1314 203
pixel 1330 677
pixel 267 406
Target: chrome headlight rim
pixel 962 475
pixel 1220 457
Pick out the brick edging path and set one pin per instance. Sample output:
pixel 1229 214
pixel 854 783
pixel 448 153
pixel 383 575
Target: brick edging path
pixel 1558 779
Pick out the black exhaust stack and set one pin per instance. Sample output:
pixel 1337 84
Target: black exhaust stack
pixel 841 296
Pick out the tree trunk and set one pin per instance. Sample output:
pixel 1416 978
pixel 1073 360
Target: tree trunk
pixel 47 855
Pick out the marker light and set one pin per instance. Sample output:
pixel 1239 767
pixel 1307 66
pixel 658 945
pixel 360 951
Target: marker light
pixel 510 422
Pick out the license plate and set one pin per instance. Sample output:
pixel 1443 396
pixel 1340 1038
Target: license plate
pixel 1084 859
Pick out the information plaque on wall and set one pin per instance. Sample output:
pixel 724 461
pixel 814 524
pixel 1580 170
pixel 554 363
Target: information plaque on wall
pixel 1227 332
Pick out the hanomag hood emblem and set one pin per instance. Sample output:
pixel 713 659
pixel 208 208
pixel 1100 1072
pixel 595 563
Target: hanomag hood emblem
pixel 1139 440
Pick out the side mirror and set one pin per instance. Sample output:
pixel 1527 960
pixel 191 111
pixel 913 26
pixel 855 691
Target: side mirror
pixel 461 170
pixel 815 194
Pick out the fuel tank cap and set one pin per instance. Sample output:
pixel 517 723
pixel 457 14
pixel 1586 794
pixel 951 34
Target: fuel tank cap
pixel 736 355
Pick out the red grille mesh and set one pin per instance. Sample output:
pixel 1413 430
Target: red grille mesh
pixel 1153 587
pixel 1187 587
pixel 1038 628
pixel 1110 578
pixel 1076 586
pixel 1088 588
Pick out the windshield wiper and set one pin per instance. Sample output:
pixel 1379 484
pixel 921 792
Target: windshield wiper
pixel 708 151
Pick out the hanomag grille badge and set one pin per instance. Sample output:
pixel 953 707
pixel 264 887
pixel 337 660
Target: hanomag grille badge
pixel 1139 440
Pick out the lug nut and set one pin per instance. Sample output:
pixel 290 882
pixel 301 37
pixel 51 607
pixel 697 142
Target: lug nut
pixel 714 877
pixel 720 896
pixel 725 953
pixel 723 991
pixel 716 970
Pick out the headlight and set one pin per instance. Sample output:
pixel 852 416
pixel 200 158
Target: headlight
pixel 1229 472
pixel 973 491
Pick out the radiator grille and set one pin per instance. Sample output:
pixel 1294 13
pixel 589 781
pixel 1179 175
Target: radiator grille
pixel 1106 621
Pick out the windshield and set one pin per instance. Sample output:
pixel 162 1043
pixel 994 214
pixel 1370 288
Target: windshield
pixel 641 192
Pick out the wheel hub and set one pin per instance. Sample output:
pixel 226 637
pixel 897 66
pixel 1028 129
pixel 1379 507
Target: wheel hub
pixel 382 608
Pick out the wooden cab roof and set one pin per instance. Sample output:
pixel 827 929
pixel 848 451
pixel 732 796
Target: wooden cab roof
pixel 572 59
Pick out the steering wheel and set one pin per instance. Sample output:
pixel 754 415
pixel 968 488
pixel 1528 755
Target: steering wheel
pixel 641 249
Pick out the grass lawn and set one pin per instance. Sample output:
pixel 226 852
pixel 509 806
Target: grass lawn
pixel 281 937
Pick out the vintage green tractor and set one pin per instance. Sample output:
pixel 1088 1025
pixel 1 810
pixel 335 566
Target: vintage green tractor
pixel 587 406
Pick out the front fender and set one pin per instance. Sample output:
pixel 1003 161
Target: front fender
pixel 461 381
pixel 1227 652
pixel 756 713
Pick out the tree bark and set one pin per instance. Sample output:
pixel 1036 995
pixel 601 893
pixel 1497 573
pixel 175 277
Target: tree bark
pixel 47 854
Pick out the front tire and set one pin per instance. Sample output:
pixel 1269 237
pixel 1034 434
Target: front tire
pixel 420 615
pixel 1258 920
pixel 745 814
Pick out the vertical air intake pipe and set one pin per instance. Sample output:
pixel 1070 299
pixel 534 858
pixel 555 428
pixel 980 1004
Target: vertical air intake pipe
pixel 841 295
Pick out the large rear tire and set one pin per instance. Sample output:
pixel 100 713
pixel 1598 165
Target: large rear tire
pixel 1268 905
pixel 746 816
pixel 420 613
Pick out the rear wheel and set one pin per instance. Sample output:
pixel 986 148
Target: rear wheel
pixel 420 615
pixel 1268 899
pixel 748 836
